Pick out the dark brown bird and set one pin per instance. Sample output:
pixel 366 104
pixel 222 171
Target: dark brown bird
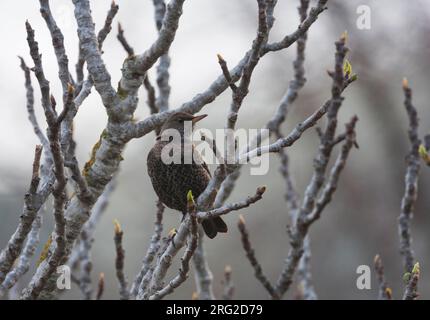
pixel 172 181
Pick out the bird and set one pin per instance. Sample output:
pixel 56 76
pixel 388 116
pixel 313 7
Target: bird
pixel 172 181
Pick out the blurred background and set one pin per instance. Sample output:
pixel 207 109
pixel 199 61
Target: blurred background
pixel 361 220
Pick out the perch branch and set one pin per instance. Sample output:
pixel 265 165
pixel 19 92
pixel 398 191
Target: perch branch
pixel 186 257
pixel 153 249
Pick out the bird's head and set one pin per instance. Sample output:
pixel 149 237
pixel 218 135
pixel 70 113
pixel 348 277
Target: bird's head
pixel 179 120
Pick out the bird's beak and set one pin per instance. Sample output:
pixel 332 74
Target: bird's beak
pixel 198 118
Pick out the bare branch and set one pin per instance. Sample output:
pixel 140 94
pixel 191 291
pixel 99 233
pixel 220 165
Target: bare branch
pixel 186 257
pixel 58 44
pixel 294 135
pixel 23 263
pixel 216 88
pixel 121 38
pixel 107 27
pixel 164 63
pixel 119 262
pixel 411 183
pixel 166 36
pixel 241 92
pixel 80 259
pixel 250 254
pixel 165 260
pixel 411 290
pixel 101 36
pixel 202 273
pixel 304 272
pixel 228 284
pixel 91 53
pixel 151 96
pixel 303 222
pixel 233 206
pixel 101 286
pixel 153 249
pixel 32 205
pixel 303 27
pixel 331 185
pixel 226 72
pixel 384 291
pixel 34 288
pixel 30 108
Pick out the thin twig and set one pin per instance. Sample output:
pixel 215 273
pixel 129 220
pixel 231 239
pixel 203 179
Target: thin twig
pixel 250 254
pixel 411 290
pixel 228 284
pixel 300 227
pixel 15 244
pixel 101 286
pixel 119 262
pixel 384 292
pixel 411 183
pixel 121 38
pixel 163 75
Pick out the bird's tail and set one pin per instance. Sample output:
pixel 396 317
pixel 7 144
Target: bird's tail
pixel 212 226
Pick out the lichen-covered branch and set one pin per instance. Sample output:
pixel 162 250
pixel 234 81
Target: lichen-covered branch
pixel 58 44
pixel 91 53
pixel 54 122
pixel 31 206
pixel 202 274
pixel 163 75
pixel 154 247
pixel 186 257
pixel 23 263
